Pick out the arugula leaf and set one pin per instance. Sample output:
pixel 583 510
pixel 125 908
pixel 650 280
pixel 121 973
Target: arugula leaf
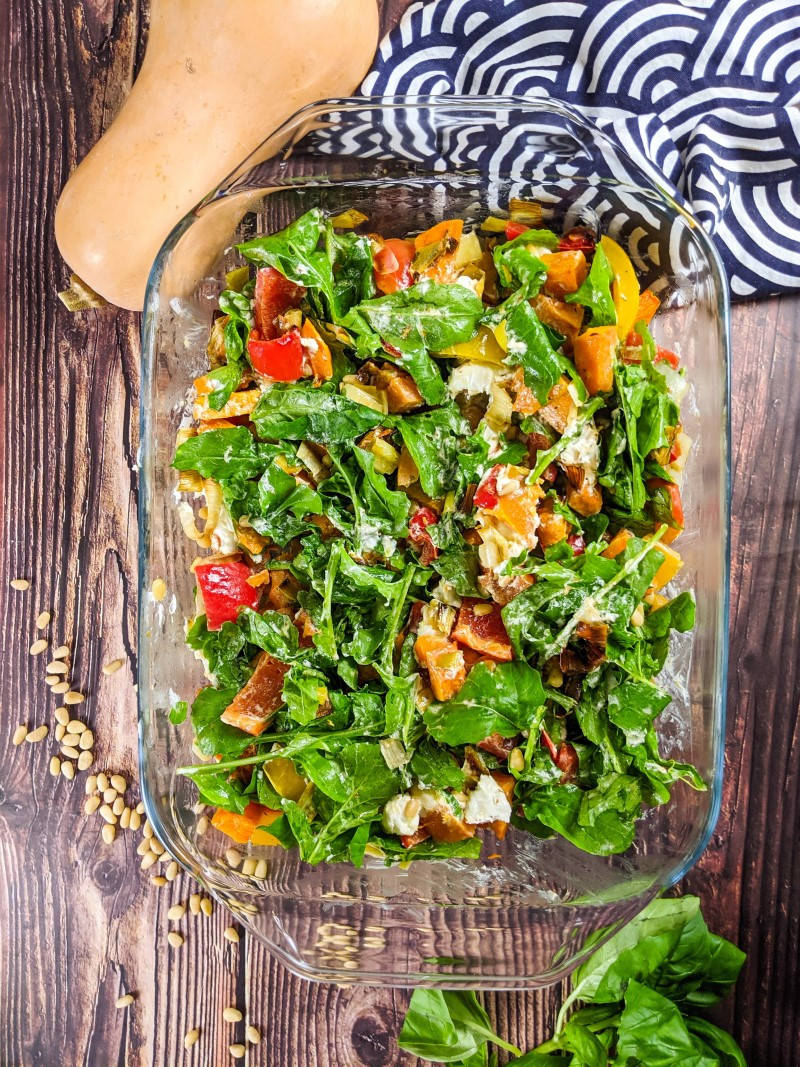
pixel 435 768
pixel 301 691
pixel 595 291
pixel 236 331
pixel 271 631
pixel 530 348
pixel 297 413
pixel 519 268
pixel 283 504
pixel 230 456
pixel 225 651
pixel 500 701
pixel 223 791
pixel 214 737
pixel 435 316
pixel 388 506
pixel 432 438
pixel 563 808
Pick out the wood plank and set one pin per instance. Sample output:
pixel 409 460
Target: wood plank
pixel 80 923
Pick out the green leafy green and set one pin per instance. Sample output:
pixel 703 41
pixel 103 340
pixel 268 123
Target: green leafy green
pixel 595 292
pixel 296 413
pixel 500 701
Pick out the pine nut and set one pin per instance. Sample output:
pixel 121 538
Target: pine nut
pixel 202 825
pixel 109 832
pixel 191 1037
pixel 118 782
pixel 148 859
pixel 118 806
pixel 86 741
pixel 232 1015
pixel 43 619
pixel 20 584
pixel 68 770
pixel 69 751
pixel 56 666
pixel 261 869
pixel 172 871
pixel 61 716
pixel 140 808
pixel 159 880
pixel 125 818
pixel 136 820
pixel 91 805
pixel 61 652
pixel 159 589
pixel 38 646
pixel 194 903
pixel 60 732
pixel 156 846
pixel 176 912
pixel 51 680
pixel 39 734
pixel 252 1034
pixel 147 829
pixel 109 795
pixel 19 735
pixel 102 782
pixel 143 850
pixel 198 807
pixel 233 858
pixel 207 907
pixel 113 666
pixel 90 785
pixel 249 866
pixel 85 760
pixel 75 726
pixel 74 697
pixel 108 815
pixel 124 1000
pixel 60 687
pixel 55 766
pixel 230 933
pixel 175 939
pixel 237 1051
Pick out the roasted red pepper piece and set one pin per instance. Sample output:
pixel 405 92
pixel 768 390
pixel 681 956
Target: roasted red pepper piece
pixel 273 295
pixel 577 240
pixel 224 588
pixel 486 495
pixel 418 533
pixel 514 229
pixel 280 358
pixel 392 265
pixel 664 355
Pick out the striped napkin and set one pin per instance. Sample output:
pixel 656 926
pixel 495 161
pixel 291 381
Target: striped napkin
pixel 706 93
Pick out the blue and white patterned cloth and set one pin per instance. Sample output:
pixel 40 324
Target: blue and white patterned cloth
pixel 707 91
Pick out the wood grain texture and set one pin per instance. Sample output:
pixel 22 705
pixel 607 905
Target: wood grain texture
pixel 79 922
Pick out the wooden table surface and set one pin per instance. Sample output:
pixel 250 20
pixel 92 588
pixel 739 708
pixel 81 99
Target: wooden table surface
pixel 79 922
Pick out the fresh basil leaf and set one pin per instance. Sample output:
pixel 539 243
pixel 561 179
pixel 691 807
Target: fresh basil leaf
pixel 652 1031
pixel 271 631
pixel 214 737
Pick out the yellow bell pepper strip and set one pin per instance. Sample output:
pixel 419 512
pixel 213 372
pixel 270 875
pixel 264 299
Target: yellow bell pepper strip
pixel 485 347
pixel 624 287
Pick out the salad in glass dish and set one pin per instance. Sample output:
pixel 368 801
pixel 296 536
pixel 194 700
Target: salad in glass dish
pixel 438 478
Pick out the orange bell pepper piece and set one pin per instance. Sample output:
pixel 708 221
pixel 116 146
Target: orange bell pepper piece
pixel 648 306
pixel 244 828
pixel 441 230
pixel 566 272
pixel 320 359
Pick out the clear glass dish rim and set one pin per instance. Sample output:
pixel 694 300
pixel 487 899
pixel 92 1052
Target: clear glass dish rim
pixel 489 106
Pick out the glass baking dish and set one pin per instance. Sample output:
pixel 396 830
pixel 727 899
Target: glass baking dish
pixel 519 917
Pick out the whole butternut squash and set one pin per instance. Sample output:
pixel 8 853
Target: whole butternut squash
pixel 217 78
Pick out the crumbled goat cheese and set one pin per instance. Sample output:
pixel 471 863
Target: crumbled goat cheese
pixel 487 802
pixel 401 815
pixel 583 452
pixel 309 344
